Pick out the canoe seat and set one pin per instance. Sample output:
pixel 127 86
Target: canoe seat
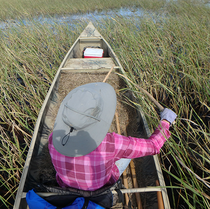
pixel 81 64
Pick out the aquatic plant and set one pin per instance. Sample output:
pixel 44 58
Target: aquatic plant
pixel 12 9
pixel 30 57
pixel 170 59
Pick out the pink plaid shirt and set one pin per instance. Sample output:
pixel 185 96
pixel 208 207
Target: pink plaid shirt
pixel 96 169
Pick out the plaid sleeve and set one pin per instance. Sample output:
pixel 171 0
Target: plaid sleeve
pixel 131 147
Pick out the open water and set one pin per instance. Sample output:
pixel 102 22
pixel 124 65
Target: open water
pixel 69 19
pixel 132 12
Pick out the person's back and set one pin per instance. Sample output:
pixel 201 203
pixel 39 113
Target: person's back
pixel 84 155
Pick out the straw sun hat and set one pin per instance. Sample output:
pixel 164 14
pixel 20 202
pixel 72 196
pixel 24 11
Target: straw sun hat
pixel 84 118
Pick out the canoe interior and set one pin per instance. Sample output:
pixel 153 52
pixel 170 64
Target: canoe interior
pixel 75 71
pixel 83 43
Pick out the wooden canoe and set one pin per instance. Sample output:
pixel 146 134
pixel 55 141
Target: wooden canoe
pixel 75 71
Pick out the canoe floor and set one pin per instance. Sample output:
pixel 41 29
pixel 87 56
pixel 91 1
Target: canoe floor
pixel 129 124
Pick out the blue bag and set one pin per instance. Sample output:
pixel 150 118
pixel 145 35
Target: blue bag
pixel 34 201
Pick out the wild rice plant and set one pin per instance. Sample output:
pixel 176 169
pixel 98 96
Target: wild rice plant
pixel 30 57
pixel 12 9
pixel 169 58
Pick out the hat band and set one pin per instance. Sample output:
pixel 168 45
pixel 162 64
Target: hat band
pixel 98 119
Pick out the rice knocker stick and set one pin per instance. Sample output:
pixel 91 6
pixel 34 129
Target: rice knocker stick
pixel 161 108
pixel 124 175
pixel 108 74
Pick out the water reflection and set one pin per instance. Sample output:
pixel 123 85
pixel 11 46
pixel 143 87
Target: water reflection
pixel 68 19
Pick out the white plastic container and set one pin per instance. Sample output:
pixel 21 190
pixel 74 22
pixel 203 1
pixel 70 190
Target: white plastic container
pixel 93 53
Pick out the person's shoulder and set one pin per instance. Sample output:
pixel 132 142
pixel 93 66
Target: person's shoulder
pixel 50 137
pixel 109 137
pixel 119 139
pixel 107 144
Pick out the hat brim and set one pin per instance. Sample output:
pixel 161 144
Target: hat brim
pixel 82 142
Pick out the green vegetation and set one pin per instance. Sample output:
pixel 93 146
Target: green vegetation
pixel 28 8
pixel 168 58
pixel 29 60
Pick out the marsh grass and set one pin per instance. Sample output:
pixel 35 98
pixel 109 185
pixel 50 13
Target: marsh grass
pixel 168 57
pixel 13 9
pixel 29 60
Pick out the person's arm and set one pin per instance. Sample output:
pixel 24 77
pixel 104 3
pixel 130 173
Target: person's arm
pixel 139 147
pixel 132 147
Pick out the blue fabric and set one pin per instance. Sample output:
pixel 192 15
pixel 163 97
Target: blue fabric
pixel 34 201
pixel 79 202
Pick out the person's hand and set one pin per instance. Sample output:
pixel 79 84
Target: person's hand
pixel 168 115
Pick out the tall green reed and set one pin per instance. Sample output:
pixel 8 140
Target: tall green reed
pixel 170 59
pixel 12 9
pixel 30 57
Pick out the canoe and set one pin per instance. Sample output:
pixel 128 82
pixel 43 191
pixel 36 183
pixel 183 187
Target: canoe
pixel 75 70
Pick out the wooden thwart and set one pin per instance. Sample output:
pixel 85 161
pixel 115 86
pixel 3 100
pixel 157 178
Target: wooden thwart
pixel 124 191
pixel 89 63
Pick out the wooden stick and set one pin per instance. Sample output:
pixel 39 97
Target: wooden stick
pixel 108 74
pixel 124 175
pixel 125 182
pixel 135 184
pixel 159 197
pixel 117 122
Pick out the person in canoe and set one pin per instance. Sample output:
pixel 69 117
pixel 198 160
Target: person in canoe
pixel 87 157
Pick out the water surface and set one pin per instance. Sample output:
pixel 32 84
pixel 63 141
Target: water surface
pixel 68 19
